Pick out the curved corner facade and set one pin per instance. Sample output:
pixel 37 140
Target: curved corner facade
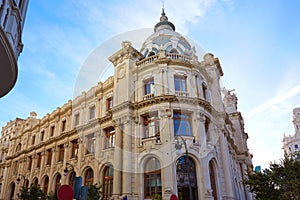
pixel 12 16
pixel 158 126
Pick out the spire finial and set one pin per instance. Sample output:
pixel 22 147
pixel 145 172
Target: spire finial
pixel 163 8
pixel 163 21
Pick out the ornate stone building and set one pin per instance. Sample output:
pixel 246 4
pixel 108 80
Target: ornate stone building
pixel 12 17
pixel 161 125
pixel 291 143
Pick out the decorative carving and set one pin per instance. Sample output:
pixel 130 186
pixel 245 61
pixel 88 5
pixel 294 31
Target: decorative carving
pixel 121 72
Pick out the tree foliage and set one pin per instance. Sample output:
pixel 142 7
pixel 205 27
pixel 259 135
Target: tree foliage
pixel 32 193
pixel 94 191
pixel 280 181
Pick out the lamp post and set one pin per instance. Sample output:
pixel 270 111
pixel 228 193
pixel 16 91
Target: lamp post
pixel 178 147
pixel 66 170
pixel 19 179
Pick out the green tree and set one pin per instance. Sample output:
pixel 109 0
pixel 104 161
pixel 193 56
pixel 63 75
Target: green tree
pixel 280 181
pixel 52 196
pixel 32 193
pixel 94 191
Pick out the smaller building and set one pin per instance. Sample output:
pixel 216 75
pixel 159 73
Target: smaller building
pixel 291 143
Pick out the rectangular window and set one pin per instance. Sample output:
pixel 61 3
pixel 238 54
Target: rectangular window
pixel 90 144
pixel 29 163
pixel 39 159
pixel 206 125
pixel 180 83
pixel 197 85
pixel 15 167
pixel 149 86
pixel 49 156
pixel 151 125
pixel 75 147
pixel 63 125
pixel 109 103
pixel 42 136
pixel 61 152
pixel 76 119
pixel 182 124
pixel 92 112
pixel 110 135
pixel 204 90
pixel 33 140
pixel 52 131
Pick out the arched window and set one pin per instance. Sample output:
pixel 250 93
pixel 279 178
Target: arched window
pixel 174 51
pixel 212 174
pixel 35 181
pixel 18 147
pixel 6 18
pixel 26 183
pixel 72 178
pixel 12 190
pixel 57 181
pixel 108 175
pixel 152 53
pixel 186 178
pixel 46 184
pixel 89 177
pixel 205 91
pixel 152 178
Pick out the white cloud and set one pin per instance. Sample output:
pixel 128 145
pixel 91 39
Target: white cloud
pixel 276 100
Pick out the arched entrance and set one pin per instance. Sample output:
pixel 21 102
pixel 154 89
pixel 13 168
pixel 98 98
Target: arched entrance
pixel 213 181
pixel 46 184
pixel 35 181
pixel 11 191
pixel 89 176
pixel 57 181
pixel 186 178
pixel 108 176
pixel 72 179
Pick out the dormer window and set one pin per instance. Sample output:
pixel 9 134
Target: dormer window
pixel 174 51
pixel 152 53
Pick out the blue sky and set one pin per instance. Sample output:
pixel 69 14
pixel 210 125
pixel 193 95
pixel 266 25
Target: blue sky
pixel 257 43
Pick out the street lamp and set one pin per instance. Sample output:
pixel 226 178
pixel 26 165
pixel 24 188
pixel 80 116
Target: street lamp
pixel 178 147
pixel 66 170
pixel 19 179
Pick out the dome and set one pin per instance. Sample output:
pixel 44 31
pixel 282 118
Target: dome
pixel 165 38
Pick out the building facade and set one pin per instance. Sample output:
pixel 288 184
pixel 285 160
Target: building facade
pixel 12 17
pixel 161 125
pixel 291 143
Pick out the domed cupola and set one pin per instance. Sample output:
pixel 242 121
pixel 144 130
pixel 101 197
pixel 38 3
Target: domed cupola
pixel 166 39
pixel 164 23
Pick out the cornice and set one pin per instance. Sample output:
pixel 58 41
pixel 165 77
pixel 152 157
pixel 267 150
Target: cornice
pixel 123 106
pixel 127 51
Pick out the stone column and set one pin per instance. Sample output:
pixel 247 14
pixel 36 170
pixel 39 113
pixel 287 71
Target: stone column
pixel 127 159
pixel 207 190
pixel 65 160
pixel 98 145
pixel 80 149
pixel 117 163
pixel 226 169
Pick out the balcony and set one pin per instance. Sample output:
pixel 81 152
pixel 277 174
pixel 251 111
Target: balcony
pixel 181 93
pixel 148 96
